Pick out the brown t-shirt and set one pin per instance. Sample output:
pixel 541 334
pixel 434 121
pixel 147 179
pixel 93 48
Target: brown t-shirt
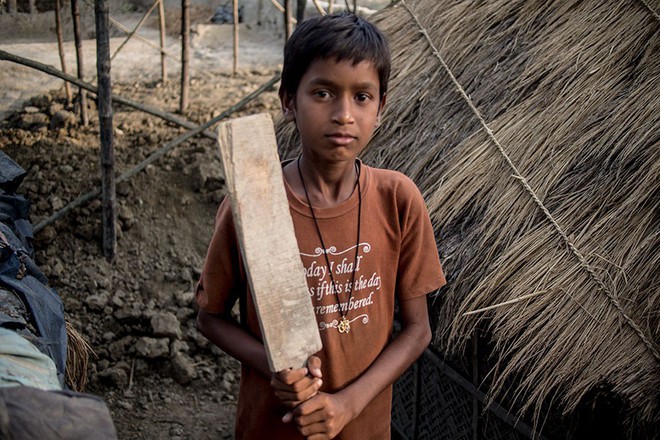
pixel 397 257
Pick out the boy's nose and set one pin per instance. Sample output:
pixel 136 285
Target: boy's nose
pixel 343 113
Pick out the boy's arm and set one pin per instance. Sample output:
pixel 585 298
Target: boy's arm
pixel 291 386
pixel 230 337
pixel 325 415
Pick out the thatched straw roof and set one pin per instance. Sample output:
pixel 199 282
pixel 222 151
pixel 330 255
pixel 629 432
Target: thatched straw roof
pixel 551 223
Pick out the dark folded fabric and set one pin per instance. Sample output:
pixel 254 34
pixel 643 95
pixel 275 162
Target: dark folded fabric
pixel 31 414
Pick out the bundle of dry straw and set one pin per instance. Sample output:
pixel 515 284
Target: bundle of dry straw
pixel 542 181
pixel 77 359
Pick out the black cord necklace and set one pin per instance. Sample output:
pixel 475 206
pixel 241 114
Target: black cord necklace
pixel 344 325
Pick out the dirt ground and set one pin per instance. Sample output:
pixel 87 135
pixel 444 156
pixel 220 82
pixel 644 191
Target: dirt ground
pixel 159 377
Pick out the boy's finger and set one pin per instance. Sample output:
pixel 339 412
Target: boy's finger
pixel 294 397
pixel 290 376
pixel 310 419
pixel 314 366
pixel 297 387
pixel 309 406
pixel 314 429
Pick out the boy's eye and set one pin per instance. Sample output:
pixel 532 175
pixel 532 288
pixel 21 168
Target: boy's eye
pixel 362 97
pixel 321 94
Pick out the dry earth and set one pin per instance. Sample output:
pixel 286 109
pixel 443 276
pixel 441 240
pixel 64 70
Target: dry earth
pixel 160 378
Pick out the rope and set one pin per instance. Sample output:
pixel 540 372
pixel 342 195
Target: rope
pixel 651 10
pixel 516 174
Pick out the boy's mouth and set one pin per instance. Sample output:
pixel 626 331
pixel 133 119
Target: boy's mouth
pixel 341 138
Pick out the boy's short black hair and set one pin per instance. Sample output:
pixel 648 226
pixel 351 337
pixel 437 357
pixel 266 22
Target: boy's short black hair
pixel 343 36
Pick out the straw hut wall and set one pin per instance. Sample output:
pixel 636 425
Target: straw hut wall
pixel 543 183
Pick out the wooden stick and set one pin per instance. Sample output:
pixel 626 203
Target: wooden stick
pixel 135 29
pixel 280 8
pixel 82 94
pixel 235 22
pixel 108 200
pixel 11 6
pixel 163 55
pixel 319 7
pixel 268 243
pixel 288 20
pixel 60 48
pixel 185 55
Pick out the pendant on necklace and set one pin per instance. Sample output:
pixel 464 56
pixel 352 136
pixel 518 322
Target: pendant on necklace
pixel 344 325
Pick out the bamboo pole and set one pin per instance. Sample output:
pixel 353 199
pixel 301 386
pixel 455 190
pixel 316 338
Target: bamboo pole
pixel 137 27
pixel 108 199
pixel 170 117
pixel 32 8
pixel 280 8
pixel 82 94
pixel 300 10
pixel 319 7
pixel 60 48
pixel 185 55
pixel 11 6
pixel 331 5
pixel 235 22
pixel 163 54
pixel 288 25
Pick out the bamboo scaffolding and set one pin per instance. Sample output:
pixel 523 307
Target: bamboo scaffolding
pixel 280 8
pixel 85 198
pixel 235 26
pixel 319 7
pixel 288 20
pixel 82 95
pixel 161 27
pixel 60 48
pixel 135 29
pixel 108 199
pixel 185 55
pixel 50 70
pixel 139 37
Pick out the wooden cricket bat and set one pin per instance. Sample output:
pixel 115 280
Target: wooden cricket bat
pixel 268 243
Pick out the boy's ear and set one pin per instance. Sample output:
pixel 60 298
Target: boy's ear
pixel 288 106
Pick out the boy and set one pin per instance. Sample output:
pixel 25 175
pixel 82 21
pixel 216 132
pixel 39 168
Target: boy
pixel 364 237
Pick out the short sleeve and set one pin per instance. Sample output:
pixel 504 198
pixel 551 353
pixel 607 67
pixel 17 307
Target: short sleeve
pixel 222 277
pixel 419 271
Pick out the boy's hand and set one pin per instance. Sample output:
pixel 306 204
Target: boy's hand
pixel 292 387
pixel 323 416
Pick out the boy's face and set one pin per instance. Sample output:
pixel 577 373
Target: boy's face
pixel 336 108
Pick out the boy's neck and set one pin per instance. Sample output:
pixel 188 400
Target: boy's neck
pixel 327 186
